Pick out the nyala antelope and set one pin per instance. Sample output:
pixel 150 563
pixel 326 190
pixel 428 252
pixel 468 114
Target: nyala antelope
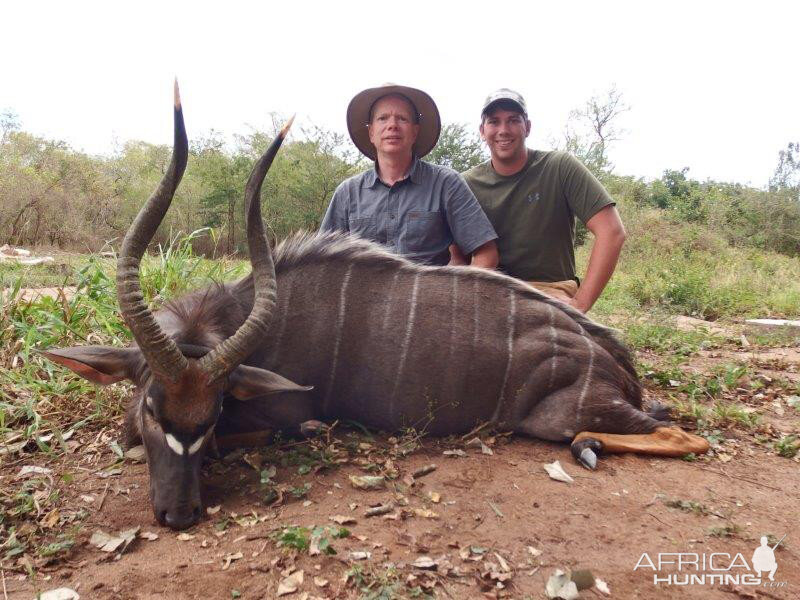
pixel 369 336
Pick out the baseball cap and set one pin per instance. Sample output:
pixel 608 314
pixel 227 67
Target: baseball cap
pixel 507 95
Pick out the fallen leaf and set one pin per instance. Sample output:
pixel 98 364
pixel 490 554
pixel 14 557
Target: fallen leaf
pixel 503 564
pixel 229 558
pixel 368 482
pixel 109 543
pixel 342 519
pixel 185 537
pixel 425 513
pixel 534 551
pixel 478 443
pixel 556 472
pixel 291 584
pixel 378 510
pixel 320 581
pixel 454 453
pixel 59 594
pixel 86 498
pixel 136 454
pixel 422 471
pixel 360 555
pixel 602 586
pixel 33 470
pixel 424 562
pixel 212 510
pixel 149 535
pixel 435 497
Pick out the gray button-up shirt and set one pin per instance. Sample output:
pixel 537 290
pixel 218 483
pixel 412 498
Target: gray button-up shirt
pixel 418 217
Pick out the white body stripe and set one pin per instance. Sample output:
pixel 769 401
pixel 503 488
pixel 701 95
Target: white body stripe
pixel 589 369
pixel 338 337
pixel 412 311
pixel 175 445
pixel 512 320
pixel 389 301
pixel 475 315
pixel 276 343
pixel 553 347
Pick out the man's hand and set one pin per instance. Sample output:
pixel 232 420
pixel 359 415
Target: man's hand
pixel 578 305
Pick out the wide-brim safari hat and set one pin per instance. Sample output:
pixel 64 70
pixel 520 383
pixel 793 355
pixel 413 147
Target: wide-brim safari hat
pixel 358 112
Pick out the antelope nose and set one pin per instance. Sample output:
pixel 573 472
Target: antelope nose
pixel 181 518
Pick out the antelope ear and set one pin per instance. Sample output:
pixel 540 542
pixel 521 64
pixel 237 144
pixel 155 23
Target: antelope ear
pixel 99 364
pixel 251 382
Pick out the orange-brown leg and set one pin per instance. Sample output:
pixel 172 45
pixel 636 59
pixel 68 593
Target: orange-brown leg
pixel 664 441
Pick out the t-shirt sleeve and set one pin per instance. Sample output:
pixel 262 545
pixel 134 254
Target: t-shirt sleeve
pixel 468 223
pixel 336 218
pixel 585 195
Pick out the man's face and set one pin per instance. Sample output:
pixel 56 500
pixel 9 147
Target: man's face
pixel 504 131
pixel 392 129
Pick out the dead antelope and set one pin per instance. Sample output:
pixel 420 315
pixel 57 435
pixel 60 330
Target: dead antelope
pixel 382 341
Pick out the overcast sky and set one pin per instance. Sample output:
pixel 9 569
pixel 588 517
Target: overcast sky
pixel 712 85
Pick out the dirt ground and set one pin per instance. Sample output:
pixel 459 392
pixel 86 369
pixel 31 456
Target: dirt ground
pixel 489 525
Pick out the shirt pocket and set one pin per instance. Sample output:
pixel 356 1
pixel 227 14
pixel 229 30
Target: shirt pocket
pixel 424 231
pixel 364 227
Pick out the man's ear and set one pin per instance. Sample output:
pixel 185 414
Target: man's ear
pixel 246 382
pixel 527 127
pixel 99 364
pixel 480 129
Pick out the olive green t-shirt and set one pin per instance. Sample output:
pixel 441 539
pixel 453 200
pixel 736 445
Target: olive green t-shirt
pixel 533 212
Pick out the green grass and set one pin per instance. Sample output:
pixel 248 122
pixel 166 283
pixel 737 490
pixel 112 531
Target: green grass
pixel 40 402
pixel 684 269
pixel 788 446
pixel 666 339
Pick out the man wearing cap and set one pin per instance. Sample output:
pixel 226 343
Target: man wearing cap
pixel 532 198
pixel 414 208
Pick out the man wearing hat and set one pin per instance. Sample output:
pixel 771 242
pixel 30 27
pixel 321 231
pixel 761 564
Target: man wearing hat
pixel 532 198
pixel 414 208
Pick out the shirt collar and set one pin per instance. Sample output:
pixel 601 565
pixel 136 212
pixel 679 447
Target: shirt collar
pixel 371 178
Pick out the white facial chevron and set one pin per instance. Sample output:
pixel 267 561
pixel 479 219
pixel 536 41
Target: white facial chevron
pixel 178 448
pixel 174 444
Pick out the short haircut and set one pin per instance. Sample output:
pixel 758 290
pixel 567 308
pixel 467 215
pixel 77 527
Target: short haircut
pixel 414 111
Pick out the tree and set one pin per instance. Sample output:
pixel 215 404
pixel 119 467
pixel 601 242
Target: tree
pixel 787 173
pixel 458 148
pixel 592 128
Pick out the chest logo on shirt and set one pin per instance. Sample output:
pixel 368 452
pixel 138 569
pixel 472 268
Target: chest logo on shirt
pixel 533 197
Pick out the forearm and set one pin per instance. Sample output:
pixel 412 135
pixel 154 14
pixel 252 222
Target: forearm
pixel 456 256
pixel 486 256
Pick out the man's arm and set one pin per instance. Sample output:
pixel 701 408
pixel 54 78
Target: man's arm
pixel 473 234
pixel 485 256
pixel 609 236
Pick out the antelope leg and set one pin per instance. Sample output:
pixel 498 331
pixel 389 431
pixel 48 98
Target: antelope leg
pixel 664 441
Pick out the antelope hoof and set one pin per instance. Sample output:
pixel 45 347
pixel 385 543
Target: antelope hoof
pixel 312 427
pixel 586 451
